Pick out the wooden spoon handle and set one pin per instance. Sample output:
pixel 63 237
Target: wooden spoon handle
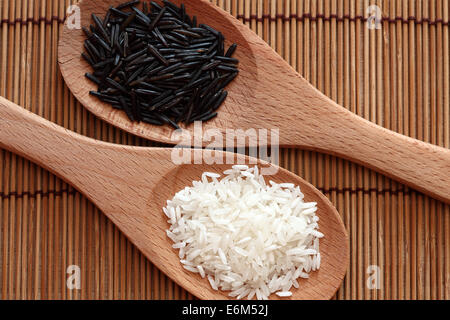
pixel 29 135
pixel 337 131
pixel 77 159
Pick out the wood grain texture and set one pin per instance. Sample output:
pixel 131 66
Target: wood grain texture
pixel 269 93
pixel 399 211
pixel 131 186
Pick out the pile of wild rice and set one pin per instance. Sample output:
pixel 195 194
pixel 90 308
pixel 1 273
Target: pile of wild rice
pixel 243 235
pixel 157 64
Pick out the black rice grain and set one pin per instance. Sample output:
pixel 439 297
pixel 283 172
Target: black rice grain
pixel 87 58
pixel 93 78
pixel 231 50
pixel 127 4
pixel 99 24
pixel 157 54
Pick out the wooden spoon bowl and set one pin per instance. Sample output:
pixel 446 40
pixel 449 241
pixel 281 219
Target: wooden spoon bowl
pixel 131 185
pixel 74 67
pixel 269 94
pixel 334 246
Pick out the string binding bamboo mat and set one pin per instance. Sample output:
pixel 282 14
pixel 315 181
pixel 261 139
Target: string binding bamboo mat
pixel 396 76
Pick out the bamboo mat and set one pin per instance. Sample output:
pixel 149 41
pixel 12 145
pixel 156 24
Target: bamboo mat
pixel 396 76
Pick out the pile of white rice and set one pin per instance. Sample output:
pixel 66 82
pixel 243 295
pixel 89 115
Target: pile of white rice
pixel 243 235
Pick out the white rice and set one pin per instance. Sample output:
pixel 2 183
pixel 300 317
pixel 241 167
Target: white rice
pixel 243 235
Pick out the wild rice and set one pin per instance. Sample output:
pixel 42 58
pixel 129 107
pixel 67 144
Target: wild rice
pixel 162 47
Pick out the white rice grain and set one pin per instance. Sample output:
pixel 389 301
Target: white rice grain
pixel 284 293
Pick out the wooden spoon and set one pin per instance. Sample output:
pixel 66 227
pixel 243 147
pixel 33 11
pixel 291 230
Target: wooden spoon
pixel 132 184
pixel 268 93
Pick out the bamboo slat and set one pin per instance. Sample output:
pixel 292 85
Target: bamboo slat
pixel 396 76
